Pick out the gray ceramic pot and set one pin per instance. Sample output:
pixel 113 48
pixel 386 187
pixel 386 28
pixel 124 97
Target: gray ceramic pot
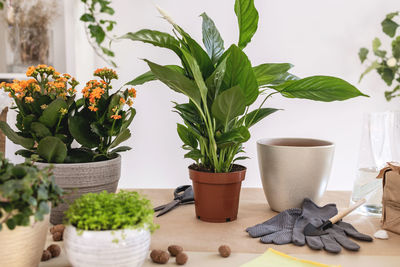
pixel 292 169
pixel 77 179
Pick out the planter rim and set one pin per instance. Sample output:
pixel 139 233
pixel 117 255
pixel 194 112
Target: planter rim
pixel 87 164
pixel 107 231
pixel 316 143
pixel 217 178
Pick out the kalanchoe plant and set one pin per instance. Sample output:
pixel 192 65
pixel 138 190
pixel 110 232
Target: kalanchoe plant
pixel 222 85
pixel 43 104
pixel 25 191
pixel 385 63
pixel 101 119
pixel 111 211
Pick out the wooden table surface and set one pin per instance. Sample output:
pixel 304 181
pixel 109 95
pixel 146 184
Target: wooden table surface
pixel 201 239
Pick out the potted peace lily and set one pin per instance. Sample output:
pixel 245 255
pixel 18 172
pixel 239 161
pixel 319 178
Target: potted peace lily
pixel 26 194
pixel 109 229
pixel 49 120
pixel 221 86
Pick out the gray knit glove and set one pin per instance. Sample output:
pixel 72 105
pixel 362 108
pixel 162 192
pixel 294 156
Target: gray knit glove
pixel 278 229
pixel 337 236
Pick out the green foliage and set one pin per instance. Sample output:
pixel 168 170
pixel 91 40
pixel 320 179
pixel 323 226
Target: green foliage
pixel 98 29
pixel 386 65
pixel 222 85
pixel 25 191
pixel 111 211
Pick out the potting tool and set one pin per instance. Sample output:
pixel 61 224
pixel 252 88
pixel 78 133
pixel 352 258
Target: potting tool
pixel 311 230
pixel 182 195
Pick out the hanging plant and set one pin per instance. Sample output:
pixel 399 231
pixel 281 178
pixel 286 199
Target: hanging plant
pixel 98 29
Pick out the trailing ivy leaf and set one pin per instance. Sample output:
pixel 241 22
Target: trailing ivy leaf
pixel 121 137
pixel 51 114
pixel 107 51
pixel 270 72
pixel 149 76
pixel 240 72
pixel 362 54
pixel 15 137
pixel 176 81
pixel 81 131
pixel 52 149
pixel 257 115
pixel 87 18
pixel 97 33
pixel 194 154
pixel 233 137
pixel 186 136
pixel 391 94
pixel 396 47
pixel 389 27
pixel 386 74
pixel 376 43
pixel 247 16
pixel 319 88
pixel 373 66
pixel 156 38
pixel 228 105
pixel 212 39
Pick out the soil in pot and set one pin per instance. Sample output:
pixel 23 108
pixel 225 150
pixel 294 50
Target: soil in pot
pixel 217 194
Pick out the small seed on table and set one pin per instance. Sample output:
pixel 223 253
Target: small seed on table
pixel 224 251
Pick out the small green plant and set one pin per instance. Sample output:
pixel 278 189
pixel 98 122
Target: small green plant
pixel 111 211
pixel 222 85
pixel 97 29
pixel 25 191
pixel 386 64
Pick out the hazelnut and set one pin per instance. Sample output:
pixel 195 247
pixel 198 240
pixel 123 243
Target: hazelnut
pixel 224 251
pixel 46 255
pixel 55 250
pixel 57 236
pixel 175 250
pixel 159 256
pixel 181 258
pixel 57 228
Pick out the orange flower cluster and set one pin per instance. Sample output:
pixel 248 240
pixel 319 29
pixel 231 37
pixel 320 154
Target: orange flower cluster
pixel 131 93
pixel 106 74
pixel 20 89
pixel 93 91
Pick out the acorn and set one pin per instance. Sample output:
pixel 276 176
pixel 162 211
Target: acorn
pixel 181 258
pixel 58 236
pixel 46 255
pixel 175 250
pixel 224 251
pixel 159 256
pixel 55 250
pixel 57 228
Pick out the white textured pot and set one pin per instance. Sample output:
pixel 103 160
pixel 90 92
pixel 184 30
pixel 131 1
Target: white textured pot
pixel 23 246
pixel 120 248
pixel 292 169
pixel 77 179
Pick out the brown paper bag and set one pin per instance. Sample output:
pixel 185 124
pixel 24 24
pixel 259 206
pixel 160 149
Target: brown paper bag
pixel 391 197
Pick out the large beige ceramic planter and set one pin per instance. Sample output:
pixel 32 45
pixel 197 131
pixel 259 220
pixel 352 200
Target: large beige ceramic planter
pixel 292 169
pixel 23 246
pixel 77 179
pixel 119 248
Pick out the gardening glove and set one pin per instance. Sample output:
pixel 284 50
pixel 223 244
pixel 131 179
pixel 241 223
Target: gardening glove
pixel 278 229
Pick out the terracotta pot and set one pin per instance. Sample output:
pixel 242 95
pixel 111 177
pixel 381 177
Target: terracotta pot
pixel 217 194
pixel 77 179
pixel 23 246
pixel 3 117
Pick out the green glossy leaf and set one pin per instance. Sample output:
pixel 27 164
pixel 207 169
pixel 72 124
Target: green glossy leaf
pixel 257 115
pixel 15 137
pixel 387 74
pixel 214 82
pixel 233 137
pixel 40 130
pixel 240 72
pixel 52 149
pixel 79 155
pixel 198 77
pixel 247 16
pixel 131 113
pixel 389 27
pixel 24 153
pixel 149 76
pixel 374 65
pixel 51 114
pixel 212 39
pixel 27 121
pixel 156 38
pixel 80 129
pixel 194 154
pixel 362 54
pixel 121 149
pixel 97 33
pixel 320 88
pixel 87 18
pixel 228 105
pixel 201 57
pixel 270 72
pixel 121 137
pixel 186 136
pixel 176 81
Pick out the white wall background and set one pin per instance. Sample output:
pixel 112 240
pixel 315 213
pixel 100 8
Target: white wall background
pixel 318 37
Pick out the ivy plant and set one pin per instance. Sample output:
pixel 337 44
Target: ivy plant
pixel 222 85
pixel 111 211
pixel 25 191
pixel 98 29
pixel 385 63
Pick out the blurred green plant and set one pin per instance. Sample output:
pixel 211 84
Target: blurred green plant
pixel 25 191
pixel 222 85
pixel 111 211
pixel 385 63
pixel 97 29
